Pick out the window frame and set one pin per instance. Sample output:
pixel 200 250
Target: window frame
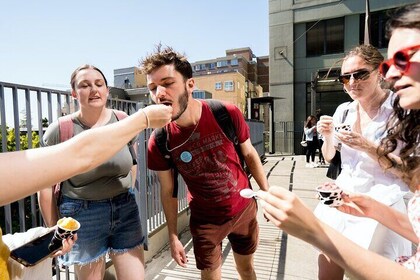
pixel 229 85
pixel 320 42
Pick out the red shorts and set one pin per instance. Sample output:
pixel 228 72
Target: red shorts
pixel 242 232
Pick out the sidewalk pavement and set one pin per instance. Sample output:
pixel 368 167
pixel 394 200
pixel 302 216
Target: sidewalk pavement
pixel 279 256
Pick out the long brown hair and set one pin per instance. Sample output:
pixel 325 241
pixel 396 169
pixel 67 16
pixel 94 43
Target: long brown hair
pixel 308 123
pixel 404 125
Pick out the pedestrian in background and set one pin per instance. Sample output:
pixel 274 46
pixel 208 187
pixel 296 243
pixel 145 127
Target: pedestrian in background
pixel 311 140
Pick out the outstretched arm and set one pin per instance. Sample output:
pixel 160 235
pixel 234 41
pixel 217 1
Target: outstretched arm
pixel 25 172
pixel 364 206
pixel 289 213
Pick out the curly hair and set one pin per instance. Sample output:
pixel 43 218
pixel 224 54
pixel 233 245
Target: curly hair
pixel 404 125
pixel 166 56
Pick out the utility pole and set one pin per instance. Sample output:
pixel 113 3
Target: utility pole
pixel 367 24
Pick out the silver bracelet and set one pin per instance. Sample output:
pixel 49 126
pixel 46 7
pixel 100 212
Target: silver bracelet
pixel 147 118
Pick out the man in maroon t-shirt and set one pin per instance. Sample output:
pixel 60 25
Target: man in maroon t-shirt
pixel 209 165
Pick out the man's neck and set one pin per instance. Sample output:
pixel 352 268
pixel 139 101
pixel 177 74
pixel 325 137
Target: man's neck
pixel 191 115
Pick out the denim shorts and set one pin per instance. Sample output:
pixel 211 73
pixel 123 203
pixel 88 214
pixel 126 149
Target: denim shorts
pixel 109 225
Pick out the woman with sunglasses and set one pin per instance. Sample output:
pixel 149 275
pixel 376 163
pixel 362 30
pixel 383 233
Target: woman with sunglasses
pixel 288 212
pixel 366 118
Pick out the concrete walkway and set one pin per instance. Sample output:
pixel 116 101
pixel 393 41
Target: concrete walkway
pixel 279 256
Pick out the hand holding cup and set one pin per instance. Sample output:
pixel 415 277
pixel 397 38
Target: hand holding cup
pixel 325 125
pixel 66 227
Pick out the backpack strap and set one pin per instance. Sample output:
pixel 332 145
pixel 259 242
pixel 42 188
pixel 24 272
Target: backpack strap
pixel 160 139
pixel 65 130
pixel 65 125
pixel 224 120
pixel 119 114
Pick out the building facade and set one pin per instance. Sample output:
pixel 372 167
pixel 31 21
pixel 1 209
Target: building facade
pixel 308 38
pixel 233 78
pixel 129 78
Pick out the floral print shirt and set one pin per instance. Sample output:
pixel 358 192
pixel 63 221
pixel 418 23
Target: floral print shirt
pixel 413 262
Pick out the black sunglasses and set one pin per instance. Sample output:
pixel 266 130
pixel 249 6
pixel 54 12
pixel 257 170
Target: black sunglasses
pixel 362 74
pixel 401 60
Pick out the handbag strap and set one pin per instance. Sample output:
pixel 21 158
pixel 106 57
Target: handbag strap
pixel 343 118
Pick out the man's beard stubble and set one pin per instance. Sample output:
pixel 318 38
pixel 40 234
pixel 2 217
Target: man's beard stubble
pixel 182 103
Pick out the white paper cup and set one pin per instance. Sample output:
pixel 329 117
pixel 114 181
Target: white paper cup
pixel 330 196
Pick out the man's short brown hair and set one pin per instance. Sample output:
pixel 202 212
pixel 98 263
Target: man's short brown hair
pixel 166 56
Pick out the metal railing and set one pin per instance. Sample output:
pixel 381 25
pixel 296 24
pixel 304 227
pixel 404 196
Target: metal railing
pixel 20 104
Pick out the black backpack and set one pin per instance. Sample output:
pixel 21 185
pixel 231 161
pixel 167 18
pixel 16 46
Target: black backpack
pixel 224 121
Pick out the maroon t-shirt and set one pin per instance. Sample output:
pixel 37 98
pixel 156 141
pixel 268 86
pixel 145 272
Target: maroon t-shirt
pixel 208 164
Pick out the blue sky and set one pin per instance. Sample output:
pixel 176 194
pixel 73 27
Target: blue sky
pixel 43 41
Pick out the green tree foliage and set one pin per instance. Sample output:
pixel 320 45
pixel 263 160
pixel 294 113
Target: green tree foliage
pixel 23 140
pixel 11 146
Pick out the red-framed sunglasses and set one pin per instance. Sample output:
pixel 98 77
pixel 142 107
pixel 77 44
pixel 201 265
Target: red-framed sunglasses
pixel 401 60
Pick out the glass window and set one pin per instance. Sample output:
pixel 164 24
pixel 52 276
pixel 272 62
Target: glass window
pixel 229 86
pixel 222 63
pixel 218 86
pixel 212 65
pixel 325 37
pixel 234 62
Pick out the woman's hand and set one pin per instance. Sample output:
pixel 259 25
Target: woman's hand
pixel 67 245
pixel 157 115
pixel 356 141
pixel 359 205
pixel 325 126
pixel 287 211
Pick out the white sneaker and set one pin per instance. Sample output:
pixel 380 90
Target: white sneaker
pixel 314 164
pixel 308 165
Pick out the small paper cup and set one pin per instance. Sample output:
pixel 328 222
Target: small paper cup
pixel 66 227
pixel 330 196
pixel 343 127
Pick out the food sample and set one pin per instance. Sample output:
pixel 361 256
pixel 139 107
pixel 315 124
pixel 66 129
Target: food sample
pixel 68 223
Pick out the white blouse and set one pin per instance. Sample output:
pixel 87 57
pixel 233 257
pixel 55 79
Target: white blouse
pixel 360 173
